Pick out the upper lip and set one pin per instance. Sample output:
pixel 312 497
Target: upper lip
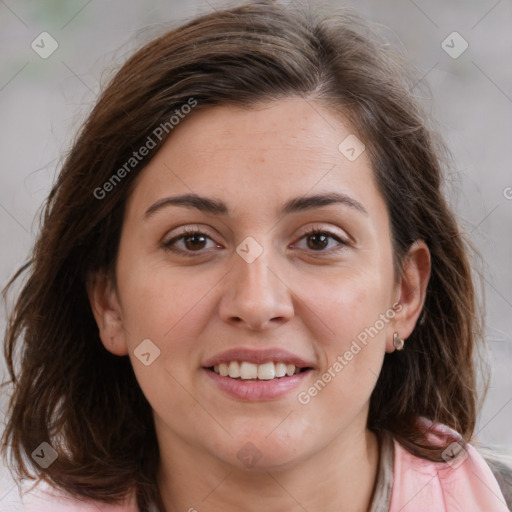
pixel 257 357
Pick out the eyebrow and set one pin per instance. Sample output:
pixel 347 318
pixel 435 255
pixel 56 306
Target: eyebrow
pixel 217 207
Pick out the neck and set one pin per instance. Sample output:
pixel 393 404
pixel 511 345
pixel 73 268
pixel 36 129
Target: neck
pixel 341 477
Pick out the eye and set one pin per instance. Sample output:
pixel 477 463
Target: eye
pixel 194 241
pixel 319 240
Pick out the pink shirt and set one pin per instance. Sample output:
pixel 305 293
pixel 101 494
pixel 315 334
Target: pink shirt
pixel 465 484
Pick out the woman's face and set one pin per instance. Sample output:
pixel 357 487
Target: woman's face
pixel 256 282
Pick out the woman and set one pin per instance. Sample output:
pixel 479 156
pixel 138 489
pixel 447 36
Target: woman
pixel 249 291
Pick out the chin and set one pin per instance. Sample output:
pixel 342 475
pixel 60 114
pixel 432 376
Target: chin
pixel 259 452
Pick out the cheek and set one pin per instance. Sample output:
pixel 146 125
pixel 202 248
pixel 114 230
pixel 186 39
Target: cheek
pixel 348 319
pixel 347 304
pixel 164 306
pixel 170 307
pixel 161 302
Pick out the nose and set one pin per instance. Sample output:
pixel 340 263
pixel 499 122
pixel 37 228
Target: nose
pixel 256 294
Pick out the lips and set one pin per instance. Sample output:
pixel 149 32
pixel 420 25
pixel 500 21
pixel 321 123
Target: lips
pixel 258 390
pixel 233 372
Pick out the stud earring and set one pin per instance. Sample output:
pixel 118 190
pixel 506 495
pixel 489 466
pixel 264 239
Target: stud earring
pixel 398 342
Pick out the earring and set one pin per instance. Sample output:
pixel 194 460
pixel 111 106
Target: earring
pixel 398 342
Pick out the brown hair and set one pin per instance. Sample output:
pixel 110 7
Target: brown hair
pixel 71 392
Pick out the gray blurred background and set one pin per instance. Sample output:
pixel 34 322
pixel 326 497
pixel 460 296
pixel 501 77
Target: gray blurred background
pixel 43 101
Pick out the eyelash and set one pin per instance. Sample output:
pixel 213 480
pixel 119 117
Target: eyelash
pixel 191 232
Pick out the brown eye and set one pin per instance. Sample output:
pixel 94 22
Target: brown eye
pixel 192 241
pixel 196 241
pixel 318 240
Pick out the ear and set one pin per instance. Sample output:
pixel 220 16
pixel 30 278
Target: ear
pixel 412 289
pixel 107 312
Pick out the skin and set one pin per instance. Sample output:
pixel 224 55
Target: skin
pixel 296 295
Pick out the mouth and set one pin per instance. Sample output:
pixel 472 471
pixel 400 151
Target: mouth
pixel 247 371
pixel 249 382
pixel 247 374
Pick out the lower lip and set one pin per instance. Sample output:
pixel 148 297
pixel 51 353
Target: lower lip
pixel 257 390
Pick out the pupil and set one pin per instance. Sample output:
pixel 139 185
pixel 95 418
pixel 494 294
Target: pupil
pixel 194 238
pixel 323 238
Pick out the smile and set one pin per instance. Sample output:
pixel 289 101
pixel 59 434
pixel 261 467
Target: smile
pixel 250 371
pixel 272 385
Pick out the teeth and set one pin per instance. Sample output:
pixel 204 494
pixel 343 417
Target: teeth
pixel 281 369
pixel 250 371
pixel 234 370
pixel 267 371
pixel 223 369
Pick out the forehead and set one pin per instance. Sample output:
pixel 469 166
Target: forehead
pixel 269 152
pixel 290 128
